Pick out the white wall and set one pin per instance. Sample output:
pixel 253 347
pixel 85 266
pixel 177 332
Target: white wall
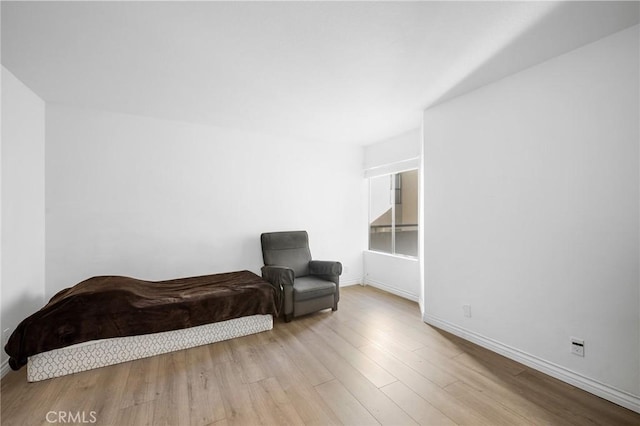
pixel 531 215
pixel 400 148
pixel 395 274
pixel 23 232
pixel 154 199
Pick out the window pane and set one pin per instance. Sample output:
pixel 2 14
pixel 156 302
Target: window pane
pixel 406 190
pixel 380 209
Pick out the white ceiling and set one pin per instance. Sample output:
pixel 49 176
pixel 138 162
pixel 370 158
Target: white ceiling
pixel 354 72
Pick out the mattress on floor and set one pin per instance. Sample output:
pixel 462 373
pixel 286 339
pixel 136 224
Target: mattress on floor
pixel 100 353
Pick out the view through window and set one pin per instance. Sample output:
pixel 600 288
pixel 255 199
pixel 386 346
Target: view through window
pixel 393 213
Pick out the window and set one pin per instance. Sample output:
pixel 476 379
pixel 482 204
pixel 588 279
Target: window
pixel 393 213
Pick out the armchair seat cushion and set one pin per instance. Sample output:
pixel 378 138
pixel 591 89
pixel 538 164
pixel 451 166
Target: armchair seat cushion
pixel 310 287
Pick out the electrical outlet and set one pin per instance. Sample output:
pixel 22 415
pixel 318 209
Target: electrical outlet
pixel 577 346
pixel 466 309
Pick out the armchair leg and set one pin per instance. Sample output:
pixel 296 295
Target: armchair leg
pixel 287 318
pixel 335 307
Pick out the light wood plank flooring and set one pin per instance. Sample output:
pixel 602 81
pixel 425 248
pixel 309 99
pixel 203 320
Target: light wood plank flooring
pixel 372 362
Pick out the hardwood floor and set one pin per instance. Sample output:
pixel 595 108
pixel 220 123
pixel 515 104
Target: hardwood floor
pixel 372 362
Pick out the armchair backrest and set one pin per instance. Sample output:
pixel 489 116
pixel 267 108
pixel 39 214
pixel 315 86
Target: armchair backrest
pixel 290 249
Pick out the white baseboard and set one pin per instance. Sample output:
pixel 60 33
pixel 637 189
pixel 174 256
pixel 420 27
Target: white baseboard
pixel 391 289
pixel 347 283
pixel 595 387
pixel 5 368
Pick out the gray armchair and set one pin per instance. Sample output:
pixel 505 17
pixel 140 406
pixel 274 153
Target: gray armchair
pixel 306 285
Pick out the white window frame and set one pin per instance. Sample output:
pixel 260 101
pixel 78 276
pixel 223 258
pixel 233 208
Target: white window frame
pixel 389 170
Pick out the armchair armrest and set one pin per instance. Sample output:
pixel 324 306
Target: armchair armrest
pixel 281 278
pixel 325 267
pixel 330 271
pixel 278 276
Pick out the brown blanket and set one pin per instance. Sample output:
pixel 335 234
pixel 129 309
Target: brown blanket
pixel 112 306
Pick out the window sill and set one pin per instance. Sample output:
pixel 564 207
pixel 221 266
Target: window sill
pixel 397 256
